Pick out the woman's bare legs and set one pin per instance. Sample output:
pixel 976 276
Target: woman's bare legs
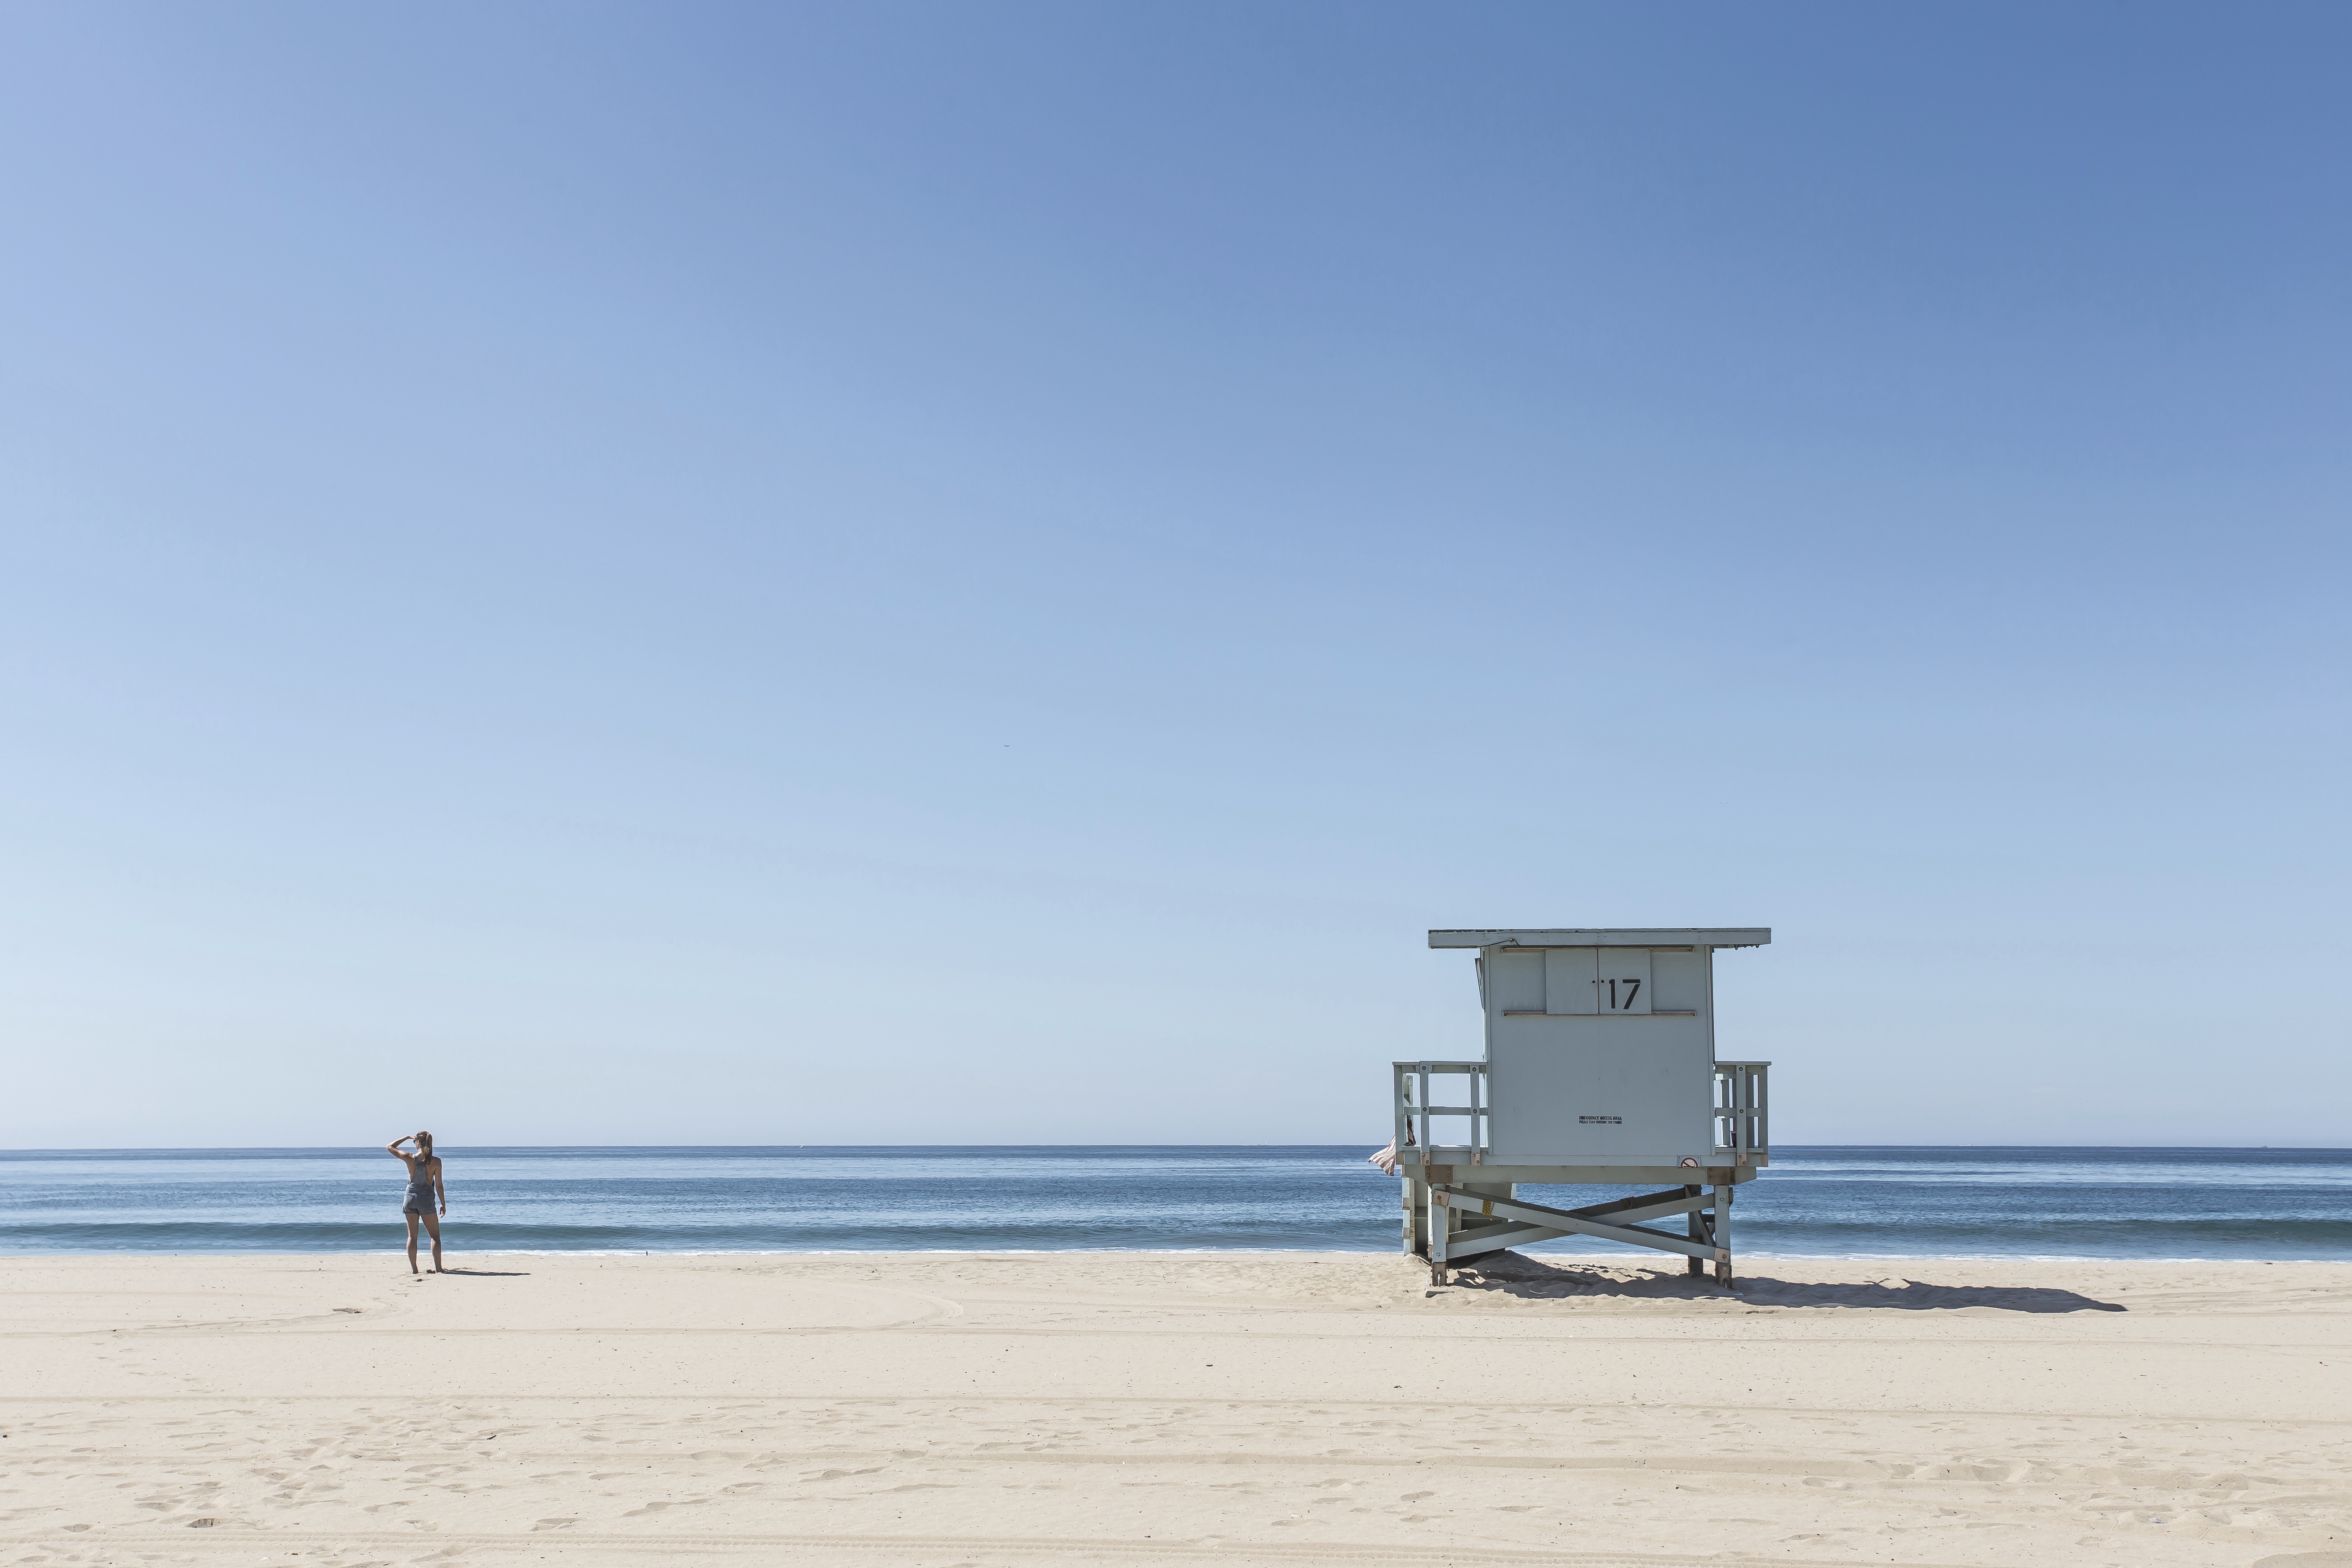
pixel 434 1225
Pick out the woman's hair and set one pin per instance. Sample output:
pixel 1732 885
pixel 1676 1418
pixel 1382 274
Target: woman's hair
pixel 425 1145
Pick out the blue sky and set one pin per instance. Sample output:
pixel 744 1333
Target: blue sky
pixel 984 574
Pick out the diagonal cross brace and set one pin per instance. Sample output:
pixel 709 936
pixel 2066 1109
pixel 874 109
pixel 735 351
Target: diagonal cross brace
pixel 1540 1223
pixel 1494 1238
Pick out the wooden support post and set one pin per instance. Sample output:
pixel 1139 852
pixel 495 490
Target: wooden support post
pixel 1417 1206
pixel 1441 1228
pixel 1696 1230
pixel 1723 1237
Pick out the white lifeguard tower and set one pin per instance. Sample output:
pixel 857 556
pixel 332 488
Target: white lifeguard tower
pixel 1599 1069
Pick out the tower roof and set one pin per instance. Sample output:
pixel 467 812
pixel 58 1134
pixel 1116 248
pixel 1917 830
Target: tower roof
pixel 1628 936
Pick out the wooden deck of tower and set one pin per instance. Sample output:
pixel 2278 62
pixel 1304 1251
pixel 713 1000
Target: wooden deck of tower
pixel 1601 1069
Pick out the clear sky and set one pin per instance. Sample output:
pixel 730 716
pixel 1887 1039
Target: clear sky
pixel 983 572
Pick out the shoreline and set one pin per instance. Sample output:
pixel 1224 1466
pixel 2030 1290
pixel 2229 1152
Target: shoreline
pixel 1617 1259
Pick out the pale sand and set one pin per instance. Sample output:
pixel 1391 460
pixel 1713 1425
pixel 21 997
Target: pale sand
pixel 1125 1408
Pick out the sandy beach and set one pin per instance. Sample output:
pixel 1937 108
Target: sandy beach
pixel 1131 1408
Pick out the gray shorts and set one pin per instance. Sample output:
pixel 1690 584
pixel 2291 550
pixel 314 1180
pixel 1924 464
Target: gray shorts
pixel 417 1203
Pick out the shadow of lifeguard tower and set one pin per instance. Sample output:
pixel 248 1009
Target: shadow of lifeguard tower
pixel 1599 1069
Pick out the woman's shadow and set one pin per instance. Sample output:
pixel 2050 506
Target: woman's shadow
pixel 1514 1274
pixel 488 1273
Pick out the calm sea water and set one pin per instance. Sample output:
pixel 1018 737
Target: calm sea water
pixel 1817 1202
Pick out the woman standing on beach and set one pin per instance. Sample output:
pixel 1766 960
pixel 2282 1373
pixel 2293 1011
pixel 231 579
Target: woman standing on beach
pixel 423 1188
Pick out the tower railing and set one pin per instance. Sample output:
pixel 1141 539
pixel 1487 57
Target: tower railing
pixel 1739 1108
pixel 1742 1110
pixel 1415 1109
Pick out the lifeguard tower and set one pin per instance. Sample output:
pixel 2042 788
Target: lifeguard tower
pixel 1599 1069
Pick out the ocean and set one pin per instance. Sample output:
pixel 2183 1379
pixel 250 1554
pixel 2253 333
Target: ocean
pixel 1858 1201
